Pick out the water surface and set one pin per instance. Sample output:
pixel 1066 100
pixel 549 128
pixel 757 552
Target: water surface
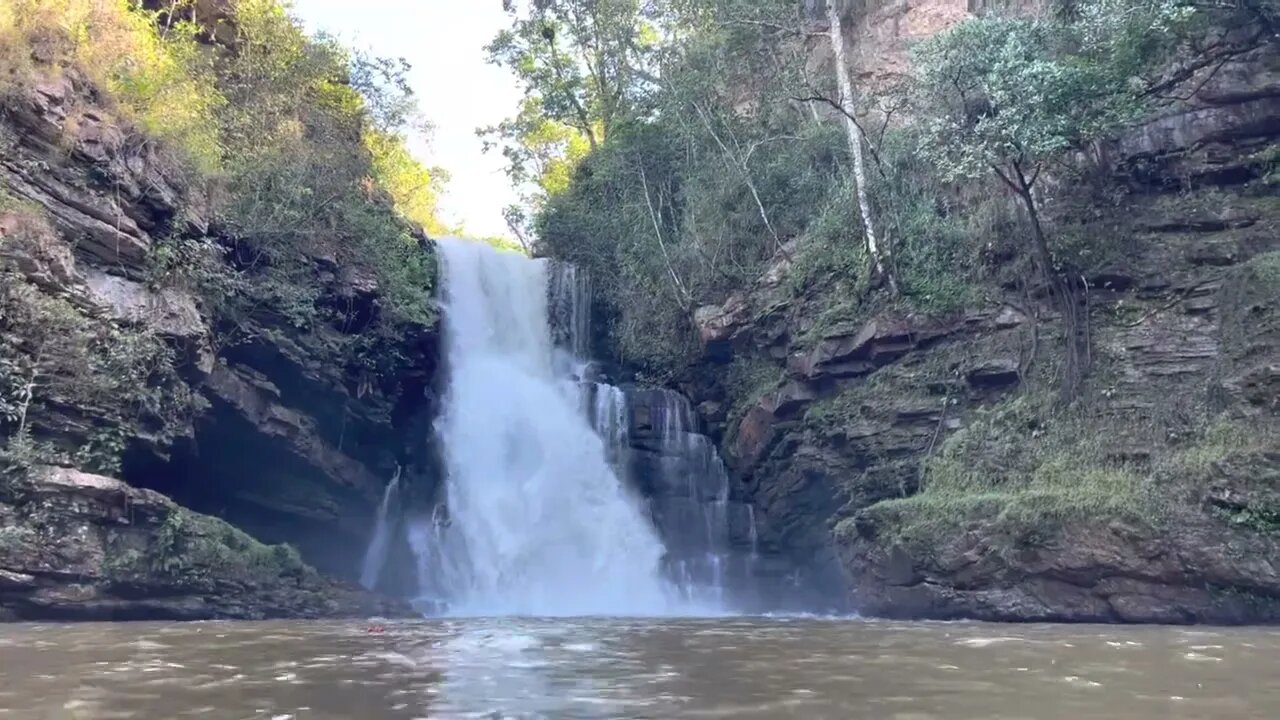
pixel 722 668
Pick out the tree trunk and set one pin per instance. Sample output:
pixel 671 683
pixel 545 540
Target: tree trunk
pixel 1075 328
pixel 855 144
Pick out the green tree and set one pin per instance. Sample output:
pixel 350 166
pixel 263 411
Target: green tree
pixel 1010 95
pixel 854 132
pixel 585 67
pixel 584 61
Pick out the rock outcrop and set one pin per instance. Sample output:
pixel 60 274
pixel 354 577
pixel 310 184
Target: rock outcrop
pixel 75 546
pixel 834 448
pixel 1214 567
pixel 289 433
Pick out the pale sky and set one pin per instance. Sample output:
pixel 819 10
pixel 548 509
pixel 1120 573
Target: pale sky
pixel 457 90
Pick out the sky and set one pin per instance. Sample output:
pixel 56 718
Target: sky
pixel 457 90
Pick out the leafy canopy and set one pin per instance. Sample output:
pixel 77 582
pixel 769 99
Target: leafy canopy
pixel 998 90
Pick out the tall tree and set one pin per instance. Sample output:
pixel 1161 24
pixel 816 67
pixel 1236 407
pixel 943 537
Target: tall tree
pixel 854 133
pixel 584 61
pixel 584 66
pixel 1008 96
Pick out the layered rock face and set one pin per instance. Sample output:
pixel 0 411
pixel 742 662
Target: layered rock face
pixel 287 434
pixel 835 443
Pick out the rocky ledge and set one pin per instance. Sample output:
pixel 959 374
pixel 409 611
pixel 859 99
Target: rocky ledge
pixel 288 431
pixel 75 546
pixel 1198 569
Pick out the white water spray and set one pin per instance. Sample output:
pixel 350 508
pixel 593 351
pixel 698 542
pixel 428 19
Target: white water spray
pixel 375 556
pixel 538 522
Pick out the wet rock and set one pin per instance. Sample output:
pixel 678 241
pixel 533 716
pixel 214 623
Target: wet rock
pixel 255 399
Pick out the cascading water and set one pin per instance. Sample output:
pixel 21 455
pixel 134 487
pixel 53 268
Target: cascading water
pixel 375 556
pixel 691 488
pixel 538 522
pixel 686 482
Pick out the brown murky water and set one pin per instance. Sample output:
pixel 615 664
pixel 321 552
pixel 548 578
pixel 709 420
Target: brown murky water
pixel 736 668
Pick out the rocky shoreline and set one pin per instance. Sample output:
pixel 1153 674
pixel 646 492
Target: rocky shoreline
pixel 75 546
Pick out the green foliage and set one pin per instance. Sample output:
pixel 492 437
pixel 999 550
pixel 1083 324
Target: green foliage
pixel 197 549
pixel 319 171
pixel 157 73
pixel 746 380
pixel 581 63
pixel 1265 270
pixel 1025 467
pixel 1022 469
pixel 301 144
pixel 837 411
pixel 663 203
pixel 716 166
pixel 54 355
pixel 584 67
pixel 1014 92
pixel 936 234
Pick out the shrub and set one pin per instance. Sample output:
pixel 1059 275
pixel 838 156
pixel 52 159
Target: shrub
pixel 1024 470
pixel 53 355
pixel 301 144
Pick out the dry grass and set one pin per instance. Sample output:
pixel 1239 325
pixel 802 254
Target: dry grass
pixel 158 76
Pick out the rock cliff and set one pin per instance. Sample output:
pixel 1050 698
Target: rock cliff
pixel 918 466
pixel 289 433
pixel 75 546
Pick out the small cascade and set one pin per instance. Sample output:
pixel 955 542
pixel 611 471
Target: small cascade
pixel 606 405
pixel 683 474
pixel 375 556
pixel 651 439
pixel 569 308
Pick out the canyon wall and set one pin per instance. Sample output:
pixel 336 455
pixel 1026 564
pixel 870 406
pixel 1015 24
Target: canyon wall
pixel 921 466
pixel 287 432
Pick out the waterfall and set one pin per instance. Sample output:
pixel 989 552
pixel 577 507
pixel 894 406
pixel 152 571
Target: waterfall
pixel 538 522
pixel 570 308
pixel 691 488
pixel 375 556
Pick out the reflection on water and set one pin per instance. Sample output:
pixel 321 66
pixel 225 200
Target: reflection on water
pixel 747 668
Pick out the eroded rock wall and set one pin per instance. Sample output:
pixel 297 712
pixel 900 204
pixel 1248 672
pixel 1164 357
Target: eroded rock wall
pixel 847 415
pixel 76 546
pixel 290 433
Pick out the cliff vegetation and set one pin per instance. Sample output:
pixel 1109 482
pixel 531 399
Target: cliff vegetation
pixel 216 283
pixel 974 294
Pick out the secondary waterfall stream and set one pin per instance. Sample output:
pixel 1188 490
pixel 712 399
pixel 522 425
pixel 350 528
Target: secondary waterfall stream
pixel 375 557
pixel 538 521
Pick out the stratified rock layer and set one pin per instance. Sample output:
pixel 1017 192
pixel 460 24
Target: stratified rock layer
pixel 294 438
pixel 75 546
pixel 1183 326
